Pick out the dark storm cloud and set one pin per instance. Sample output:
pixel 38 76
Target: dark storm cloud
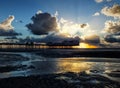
pixel 53 37
pixel 8 33
pixel 112 28
pixel 59 38
pixel 112 38
pixel 113 31
pixel 43 23
pixel 92 39
pixel 12 37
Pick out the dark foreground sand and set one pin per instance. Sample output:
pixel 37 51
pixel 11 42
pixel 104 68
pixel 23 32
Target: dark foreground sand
pixel 61 80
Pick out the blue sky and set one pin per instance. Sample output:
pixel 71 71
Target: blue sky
pixel 78 11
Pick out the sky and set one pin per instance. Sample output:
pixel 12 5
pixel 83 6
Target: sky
pixel 94 21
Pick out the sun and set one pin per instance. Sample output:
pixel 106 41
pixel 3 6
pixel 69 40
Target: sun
pixel 85 45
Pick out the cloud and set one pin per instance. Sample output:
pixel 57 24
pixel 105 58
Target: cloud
pixel 18 21
pixel 12 37
pixel 113 11
pixel 43 23
pixel 112 31
pixel 92 39
pixel 6 25
pixel 99 1
pixel 68 27
pixel 112 27
pixel 108 0
pixel 9 33
pixel 58 37
pixel 56 14
pixel 72 28
pixel 63 29
pixel 52 37
pixel 6 29
pixel 96 14
pixel 84 25
pixel 39 12
pixel 112 39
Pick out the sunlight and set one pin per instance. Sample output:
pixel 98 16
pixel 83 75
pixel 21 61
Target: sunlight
pixel 70 66
pixel 85 45
pixel 69 27
pixel 72 28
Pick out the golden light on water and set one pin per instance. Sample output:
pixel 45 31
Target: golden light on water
pixel 71 66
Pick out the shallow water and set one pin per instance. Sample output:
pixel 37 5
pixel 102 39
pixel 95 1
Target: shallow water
pixel 25 64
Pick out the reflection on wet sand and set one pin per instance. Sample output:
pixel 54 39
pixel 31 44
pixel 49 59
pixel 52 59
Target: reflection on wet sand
pixel 26 64
pixel 71 66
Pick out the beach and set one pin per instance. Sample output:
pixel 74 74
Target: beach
pixel 59 68
pixel 66 80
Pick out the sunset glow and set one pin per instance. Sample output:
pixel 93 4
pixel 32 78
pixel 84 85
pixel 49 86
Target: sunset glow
pixel 59 21
pixel 85 45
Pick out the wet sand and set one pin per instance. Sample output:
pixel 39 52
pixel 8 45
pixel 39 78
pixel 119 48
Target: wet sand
pixel 61 80
pixel 95 78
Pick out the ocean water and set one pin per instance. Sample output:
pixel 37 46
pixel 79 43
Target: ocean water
pixel 14 64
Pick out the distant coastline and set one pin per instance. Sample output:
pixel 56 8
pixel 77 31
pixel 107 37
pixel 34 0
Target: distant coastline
pixel 64 51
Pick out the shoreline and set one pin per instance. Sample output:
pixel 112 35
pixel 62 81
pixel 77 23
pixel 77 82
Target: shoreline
pixel 69 52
